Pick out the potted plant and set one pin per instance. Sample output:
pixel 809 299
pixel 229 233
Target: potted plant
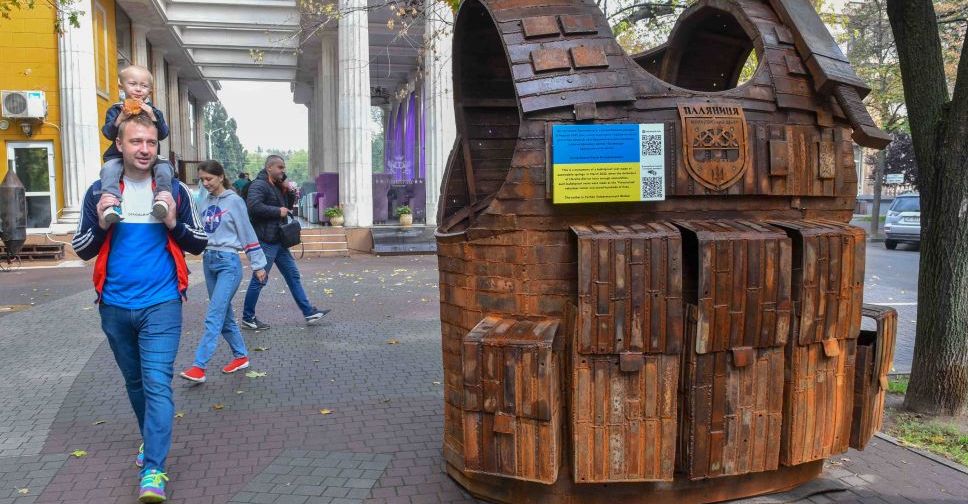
pixel 335 216
pixel 405 214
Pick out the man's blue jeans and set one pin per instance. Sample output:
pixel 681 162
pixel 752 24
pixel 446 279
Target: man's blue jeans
pixel 280 256
pixel 223 274
pixel 144 343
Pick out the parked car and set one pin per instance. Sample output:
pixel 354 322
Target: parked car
pixel 903 222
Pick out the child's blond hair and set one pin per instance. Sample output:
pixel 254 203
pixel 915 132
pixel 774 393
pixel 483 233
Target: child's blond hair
pixel 136 68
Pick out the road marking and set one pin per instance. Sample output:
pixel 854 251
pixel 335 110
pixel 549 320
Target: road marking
pixel 893 304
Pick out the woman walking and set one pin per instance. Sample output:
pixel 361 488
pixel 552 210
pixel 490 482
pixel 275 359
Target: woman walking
pixel 227 224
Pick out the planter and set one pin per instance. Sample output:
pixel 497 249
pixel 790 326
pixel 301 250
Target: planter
pixel 336 221
pixel 406 220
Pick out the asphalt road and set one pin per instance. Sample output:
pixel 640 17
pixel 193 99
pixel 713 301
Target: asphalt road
pixel 892 280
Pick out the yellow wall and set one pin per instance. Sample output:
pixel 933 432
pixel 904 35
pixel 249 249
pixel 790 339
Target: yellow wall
pixel 28 59
pixel 104 103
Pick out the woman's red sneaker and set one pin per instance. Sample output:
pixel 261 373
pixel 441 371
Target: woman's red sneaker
pixel 194 373
pixel 236 364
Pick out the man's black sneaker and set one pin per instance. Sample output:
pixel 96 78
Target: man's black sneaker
pixel 315 317
pixel 254 324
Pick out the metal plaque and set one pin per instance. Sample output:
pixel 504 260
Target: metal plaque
pixel 714 137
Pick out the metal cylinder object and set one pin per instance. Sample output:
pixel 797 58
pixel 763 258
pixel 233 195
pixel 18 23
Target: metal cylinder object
pixel 13 213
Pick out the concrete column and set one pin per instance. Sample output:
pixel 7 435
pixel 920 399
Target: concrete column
pixel 80 123
pixel 187 151
pixel 327 81
pixel 174 114
pixel 355 177
pixel 438 96
pixel 201 146
pixel 314 158
pixel 139 44
pixel 159 95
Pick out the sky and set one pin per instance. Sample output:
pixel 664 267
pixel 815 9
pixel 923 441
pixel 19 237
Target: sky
pixel 266 115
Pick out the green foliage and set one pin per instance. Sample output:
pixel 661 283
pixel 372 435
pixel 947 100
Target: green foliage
pixel 333 212
pixel 640 26
pixel 749 68
pixel 297 163
pixel 898 384
pixel 933 436
pixel 870 47
pixel 220 130
pixel 376 139
pixel 403 210
pixel 66 11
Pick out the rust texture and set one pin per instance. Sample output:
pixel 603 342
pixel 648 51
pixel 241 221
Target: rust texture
pixel 695 349
pixel 738 298
pixel 875 355
pixel 512 413
pixel 626 366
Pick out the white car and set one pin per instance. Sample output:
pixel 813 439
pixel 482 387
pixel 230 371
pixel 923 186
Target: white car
pixel 903 223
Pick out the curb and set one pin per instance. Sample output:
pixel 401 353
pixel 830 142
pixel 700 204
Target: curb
pixel 928 455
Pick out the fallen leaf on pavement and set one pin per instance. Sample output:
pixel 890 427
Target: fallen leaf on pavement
pixel 325 411
pixel 23 491
pixel 255 374
pixel 393 342
pixel 260 349
pixel 79 453
pixel 218 406
pixel 180 414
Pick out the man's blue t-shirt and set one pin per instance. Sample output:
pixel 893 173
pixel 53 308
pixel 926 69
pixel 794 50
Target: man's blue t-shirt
pixel 140 269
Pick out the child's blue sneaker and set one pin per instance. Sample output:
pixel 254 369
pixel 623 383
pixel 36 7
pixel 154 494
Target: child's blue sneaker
pixel 112 215
pixel 153 487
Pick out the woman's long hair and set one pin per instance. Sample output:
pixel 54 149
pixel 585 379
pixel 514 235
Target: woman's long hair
pixel 213 167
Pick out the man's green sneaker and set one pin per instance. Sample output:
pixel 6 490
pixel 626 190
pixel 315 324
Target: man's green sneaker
pixel 153 487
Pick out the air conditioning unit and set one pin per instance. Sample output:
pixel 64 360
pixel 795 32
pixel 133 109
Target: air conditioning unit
pixel 23 104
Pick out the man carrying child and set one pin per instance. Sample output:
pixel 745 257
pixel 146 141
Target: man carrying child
pixel 141 279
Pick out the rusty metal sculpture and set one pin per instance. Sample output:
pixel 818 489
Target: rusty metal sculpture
pixel 703 346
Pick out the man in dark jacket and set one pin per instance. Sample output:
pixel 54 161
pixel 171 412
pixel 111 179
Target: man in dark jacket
pixel 268 202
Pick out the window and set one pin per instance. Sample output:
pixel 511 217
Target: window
pixel 907 204
pixel 122 25
pixel 102 74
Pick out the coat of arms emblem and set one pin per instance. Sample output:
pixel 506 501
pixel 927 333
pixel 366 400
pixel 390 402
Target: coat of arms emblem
pixel 714 138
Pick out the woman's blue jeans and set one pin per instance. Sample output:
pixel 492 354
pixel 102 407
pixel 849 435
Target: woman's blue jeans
pixel 223 274
pixel 144 343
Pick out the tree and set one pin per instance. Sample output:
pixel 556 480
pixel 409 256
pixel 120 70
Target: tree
pixel 899 158
pixel 939 126
pixel 297 163
pixel 221 132
pixel 66 11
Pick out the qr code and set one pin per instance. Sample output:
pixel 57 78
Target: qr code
pixel 652 188
pixel 651 144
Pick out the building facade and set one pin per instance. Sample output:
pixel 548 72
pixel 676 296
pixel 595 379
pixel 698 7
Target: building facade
pixel 59 155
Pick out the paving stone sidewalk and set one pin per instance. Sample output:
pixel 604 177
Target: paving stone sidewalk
pixel 266 439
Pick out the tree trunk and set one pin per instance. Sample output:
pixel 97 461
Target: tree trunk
pixel 939 373
pixel 878 186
